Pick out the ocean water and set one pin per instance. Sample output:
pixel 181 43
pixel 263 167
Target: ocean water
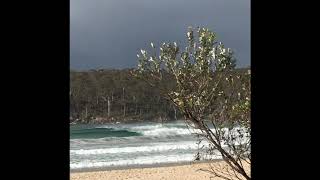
pixel 118 145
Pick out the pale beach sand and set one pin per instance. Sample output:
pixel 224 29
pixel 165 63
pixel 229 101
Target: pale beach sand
pixel 178 172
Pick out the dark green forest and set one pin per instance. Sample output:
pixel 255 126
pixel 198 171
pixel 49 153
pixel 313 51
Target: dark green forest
pixel 109 95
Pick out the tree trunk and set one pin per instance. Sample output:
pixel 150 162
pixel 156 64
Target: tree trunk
pixel 175 113
pixel 124 110
pixel 124 104
pixel 112 96
pixel 109 107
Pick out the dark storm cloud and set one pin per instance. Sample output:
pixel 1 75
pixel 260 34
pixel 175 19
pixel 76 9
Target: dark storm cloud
pixel 109 33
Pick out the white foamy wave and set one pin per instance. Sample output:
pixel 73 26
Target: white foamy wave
pixel 155 148
pixel 143 160
pixel 158 130
pixel 166 132
pixel 147 127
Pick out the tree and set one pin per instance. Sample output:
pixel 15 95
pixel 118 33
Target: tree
pixel 101 95
pixel 213 99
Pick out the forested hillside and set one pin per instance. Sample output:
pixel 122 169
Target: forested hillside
pixel 109 95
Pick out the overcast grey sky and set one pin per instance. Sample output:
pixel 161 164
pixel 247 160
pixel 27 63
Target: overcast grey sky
pixel 109 33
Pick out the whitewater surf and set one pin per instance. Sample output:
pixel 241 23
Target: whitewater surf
pixel 118 145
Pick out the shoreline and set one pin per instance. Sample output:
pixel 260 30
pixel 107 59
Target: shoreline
pixel 176 171
pixel 142 166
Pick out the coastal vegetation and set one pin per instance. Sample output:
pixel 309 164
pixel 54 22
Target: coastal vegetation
pixel 208 93
pixel 111 95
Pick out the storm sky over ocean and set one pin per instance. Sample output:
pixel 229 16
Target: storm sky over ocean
pixel 109 33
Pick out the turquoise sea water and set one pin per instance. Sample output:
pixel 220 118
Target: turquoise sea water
pixel 115 145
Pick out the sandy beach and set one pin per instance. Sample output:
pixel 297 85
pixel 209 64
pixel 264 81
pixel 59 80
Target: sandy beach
pixel 176 172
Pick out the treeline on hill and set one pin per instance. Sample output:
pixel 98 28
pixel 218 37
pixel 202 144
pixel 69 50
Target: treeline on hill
pixel 108 95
